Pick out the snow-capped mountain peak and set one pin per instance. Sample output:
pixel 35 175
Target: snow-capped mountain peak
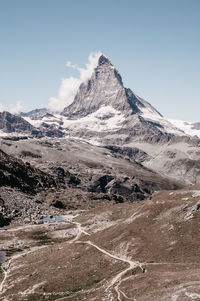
pixel 105 88
pixel 104 60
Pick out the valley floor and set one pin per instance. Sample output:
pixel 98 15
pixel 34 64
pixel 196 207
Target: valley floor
pixel 148 250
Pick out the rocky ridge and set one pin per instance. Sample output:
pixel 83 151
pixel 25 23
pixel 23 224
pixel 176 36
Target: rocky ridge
pixel 17 174
pixel 70 174
pixel 19 184
pixel 12 123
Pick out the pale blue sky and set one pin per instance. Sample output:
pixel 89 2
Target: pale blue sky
pixel 154 44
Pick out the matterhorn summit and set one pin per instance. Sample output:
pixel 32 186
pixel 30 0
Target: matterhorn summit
pixel 105 112
pixel 105 89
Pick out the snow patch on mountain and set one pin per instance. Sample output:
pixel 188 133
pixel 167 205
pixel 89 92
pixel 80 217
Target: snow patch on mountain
pixel 3 134
pixel 34 122
pixel 186 126
pixel 10 135
pixel 48 119
pixel 106 118
pixel 166 126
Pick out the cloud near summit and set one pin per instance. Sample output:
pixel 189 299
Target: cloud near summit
pixel 15 108
pixel 69 86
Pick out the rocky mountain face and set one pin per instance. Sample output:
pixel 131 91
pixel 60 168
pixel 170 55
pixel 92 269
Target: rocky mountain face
pixel 76 163
pixel 70 174
pixel 115 110
pixel 19 127
pixel 12 123
pixel 20 184
pixel 105 88
pixel 196 126
pixel 15 173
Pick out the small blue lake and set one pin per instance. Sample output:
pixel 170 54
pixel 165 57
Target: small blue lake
pixel 58 218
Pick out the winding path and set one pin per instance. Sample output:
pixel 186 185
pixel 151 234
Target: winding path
pixel 80 230
pixel 116 281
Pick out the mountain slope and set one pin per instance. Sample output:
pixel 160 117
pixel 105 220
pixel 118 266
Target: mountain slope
pixel 99 170
pixel 189 128
pixel 30 125
pixel 105 88
pixel 148 250
pixel 10 123
pixel 15 173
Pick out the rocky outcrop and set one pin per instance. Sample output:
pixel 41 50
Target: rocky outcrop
pixel 10 123
pixel 133 153
pixel 16 174
pixel 4 221
pixel 15 124
pixel 196 126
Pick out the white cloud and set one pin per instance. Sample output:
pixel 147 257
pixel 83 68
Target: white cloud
pixel 2 108
pixel 16 108
pixel 69 86
pixel 13 108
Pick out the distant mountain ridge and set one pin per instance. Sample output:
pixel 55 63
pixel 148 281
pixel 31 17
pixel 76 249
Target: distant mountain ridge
pixel 35 113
